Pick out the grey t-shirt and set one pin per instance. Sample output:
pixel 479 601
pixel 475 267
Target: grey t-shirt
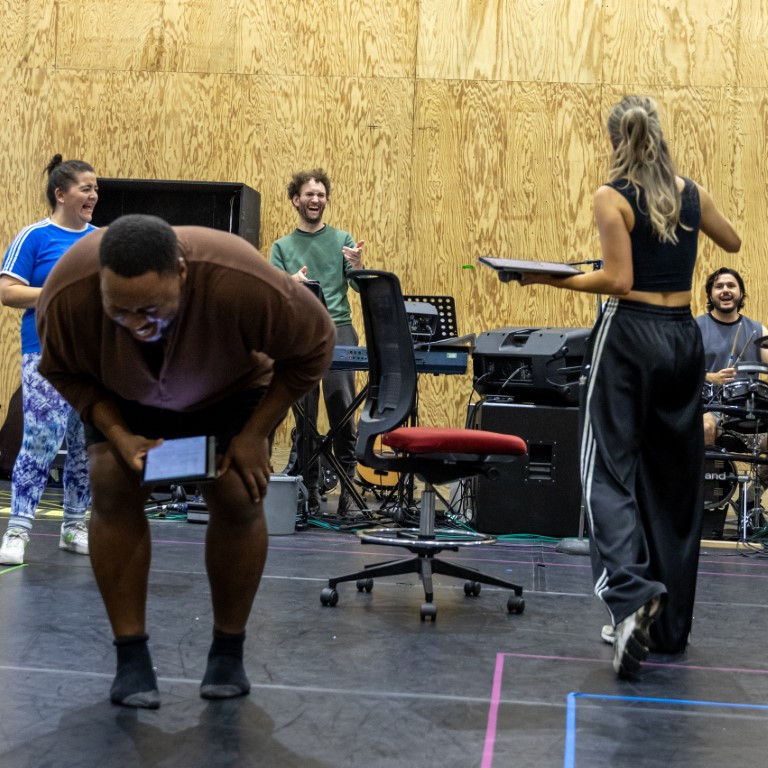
pixel 719 337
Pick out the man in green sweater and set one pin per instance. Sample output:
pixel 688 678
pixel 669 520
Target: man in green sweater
pixel 315 251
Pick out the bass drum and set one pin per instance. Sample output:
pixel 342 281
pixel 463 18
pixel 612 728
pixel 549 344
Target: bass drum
pixel 720 474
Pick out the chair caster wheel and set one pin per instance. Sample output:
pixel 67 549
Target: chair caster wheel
pixel 364 585
pixel 329 596
pixel 515 604
pixel 428 611
pixel 472 588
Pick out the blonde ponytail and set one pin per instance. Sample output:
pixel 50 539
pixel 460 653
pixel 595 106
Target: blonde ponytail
pixel 641 155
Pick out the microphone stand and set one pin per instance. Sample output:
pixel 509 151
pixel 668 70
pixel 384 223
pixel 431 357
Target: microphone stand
pixel 580 545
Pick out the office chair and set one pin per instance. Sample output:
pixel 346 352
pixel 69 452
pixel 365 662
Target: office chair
pixel 433 454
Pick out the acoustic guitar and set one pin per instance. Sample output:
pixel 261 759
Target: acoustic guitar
pixel 378 478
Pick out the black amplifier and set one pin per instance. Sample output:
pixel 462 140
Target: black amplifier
pixel 532 365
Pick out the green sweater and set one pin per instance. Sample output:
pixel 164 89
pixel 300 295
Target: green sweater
pixel 320 252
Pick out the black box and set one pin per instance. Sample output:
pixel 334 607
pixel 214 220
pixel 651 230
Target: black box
pixel 532 365
pixel 226 206
pixel 540 493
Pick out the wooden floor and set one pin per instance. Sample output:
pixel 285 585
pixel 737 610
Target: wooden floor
pixel 366 683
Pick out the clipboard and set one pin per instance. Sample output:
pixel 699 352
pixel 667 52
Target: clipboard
pixel 512 269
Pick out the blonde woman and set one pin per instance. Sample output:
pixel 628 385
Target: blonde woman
pixel 642 441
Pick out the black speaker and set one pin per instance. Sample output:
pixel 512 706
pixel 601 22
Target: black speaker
pixel 541 366
pixel 540 493
pixel 227 206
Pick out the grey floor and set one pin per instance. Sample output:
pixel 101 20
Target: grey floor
pixel 367 683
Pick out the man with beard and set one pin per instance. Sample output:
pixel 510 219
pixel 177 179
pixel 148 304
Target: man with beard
pixel 727 334
pixel 729 338
pixel 317 252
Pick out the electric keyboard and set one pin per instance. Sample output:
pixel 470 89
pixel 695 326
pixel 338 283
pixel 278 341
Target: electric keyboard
pixel 436 360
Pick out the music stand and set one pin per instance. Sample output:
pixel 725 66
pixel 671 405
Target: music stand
pixel 446 315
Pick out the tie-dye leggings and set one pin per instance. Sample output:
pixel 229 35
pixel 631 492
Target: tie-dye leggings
pixel 48 419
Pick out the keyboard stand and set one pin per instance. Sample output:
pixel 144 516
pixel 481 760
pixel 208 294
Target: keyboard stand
pixel 323 444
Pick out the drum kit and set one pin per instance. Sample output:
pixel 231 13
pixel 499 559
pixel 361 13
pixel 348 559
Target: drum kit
pixel 740 451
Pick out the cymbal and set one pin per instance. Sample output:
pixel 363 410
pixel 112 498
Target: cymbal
pixel 754 368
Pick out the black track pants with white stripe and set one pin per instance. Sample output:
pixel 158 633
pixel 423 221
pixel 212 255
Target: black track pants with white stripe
pixel 642 455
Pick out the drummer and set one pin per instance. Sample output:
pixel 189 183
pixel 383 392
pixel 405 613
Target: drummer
pixel 728 337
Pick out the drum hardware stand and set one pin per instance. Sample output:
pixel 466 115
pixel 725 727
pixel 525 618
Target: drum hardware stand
pixel 743 512
pixel 742 507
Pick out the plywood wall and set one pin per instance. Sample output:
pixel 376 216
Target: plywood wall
pixel 450 128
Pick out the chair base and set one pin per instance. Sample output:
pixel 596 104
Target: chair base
pixel 425 564
pixel 417 540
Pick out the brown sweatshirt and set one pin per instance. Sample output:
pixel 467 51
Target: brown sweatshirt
pixel 240 322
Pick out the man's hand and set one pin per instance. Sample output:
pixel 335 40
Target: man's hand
pixel 722 376
pixel 354 255
pixel 301 275
pixel 133 449
pixel 248 455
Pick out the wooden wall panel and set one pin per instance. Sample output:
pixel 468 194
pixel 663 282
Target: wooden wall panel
pixel 523 40
pixel 747 175
pixel 28 34
pixel 151 125
pixel 504 169
pixel 687 43
pixel 325 38
pixel 359 130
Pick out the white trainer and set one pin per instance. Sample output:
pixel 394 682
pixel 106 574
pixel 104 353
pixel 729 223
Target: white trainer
pixel 74 538
pixel 632 641
pixel 13 546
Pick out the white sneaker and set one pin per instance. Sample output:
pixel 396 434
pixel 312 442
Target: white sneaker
pixel 14 543
pixel 632 641
pixel 74 538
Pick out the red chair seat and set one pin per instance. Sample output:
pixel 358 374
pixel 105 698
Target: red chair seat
pixel 447 440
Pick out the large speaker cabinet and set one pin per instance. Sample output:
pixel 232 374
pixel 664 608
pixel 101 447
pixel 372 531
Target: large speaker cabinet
pixel 540 493
pixel 227 206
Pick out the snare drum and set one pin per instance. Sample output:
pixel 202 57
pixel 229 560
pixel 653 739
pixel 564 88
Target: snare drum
pixel 735 391
pixel 746 405
pixel 747 386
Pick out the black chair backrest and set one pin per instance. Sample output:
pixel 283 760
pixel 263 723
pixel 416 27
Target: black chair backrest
pixel 392 380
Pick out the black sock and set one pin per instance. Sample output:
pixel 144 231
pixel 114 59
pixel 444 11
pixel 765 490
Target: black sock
pixel 135 684
pixel 225 674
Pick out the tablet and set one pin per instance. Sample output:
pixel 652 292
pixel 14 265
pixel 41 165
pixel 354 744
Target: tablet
pixel 181 460
pixel 512 269
pixel 317 289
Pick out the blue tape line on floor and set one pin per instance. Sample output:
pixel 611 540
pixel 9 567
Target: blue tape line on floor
pixel 570 714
